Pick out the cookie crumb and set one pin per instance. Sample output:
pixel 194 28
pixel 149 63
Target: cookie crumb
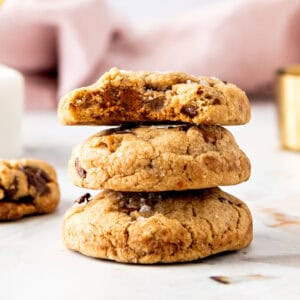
pixel 221 279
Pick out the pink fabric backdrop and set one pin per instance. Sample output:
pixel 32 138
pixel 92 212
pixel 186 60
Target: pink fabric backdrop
pixel 63 44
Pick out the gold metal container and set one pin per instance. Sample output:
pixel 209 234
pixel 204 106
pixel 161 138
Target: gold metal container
pixel 288 98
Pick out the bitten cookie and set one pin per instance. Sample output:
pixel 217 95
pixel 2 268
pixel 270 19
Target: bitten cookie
pixel 126 96
pixel 27 187
pixel 149 228
pixel 155 159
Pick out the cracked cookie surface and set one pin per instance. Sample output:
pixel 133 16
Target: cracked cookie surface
pixel 162 227
pixel 27 187
pixel 125 96
pixel 152 158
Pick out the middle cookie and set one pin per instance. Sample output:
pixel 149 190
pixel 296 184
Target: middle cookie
pixel 153 158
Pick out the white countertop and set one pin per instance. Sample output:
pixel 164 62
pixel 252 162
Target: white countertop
pixel 34 263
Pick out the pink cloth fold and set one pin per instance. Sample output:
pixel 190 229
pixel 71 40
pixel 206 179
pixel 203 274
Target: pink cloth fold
pixel 61 45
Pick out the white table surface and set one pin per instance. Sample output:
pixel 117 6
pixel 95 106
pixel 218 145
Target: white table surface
pixel 34 264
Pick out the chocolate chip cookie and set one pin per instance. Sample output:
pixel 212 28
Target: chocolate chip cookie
pixel 124 96
pixel 27 187
pixel 152 159
pixel 166 227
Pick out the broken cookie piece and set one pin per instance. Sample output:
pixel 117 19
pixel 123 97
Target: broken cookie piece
pixel 121 97
pixel 27 187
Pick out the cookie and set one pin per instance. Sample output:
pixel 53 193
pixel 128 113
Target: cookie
pixel 27 187
pixel 153 159
pixel 165 227
pixel 124 96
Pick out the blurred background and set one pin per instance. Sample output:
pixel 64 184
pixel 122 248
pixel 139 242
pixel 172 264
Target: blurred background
pixel 143 13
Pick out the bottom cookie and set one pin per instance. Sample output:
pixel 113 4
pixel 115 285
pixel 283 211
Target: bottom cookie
pixel 164 227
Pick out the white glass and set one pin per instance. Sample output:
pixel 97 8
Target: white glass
pixel 11 109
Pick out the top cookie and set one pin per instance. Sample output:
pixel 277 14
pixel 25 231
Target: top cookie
pixel 124 96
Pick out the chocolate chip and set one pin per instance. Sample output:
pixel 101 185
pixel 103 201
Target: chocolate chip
pixel 81 172
pixel 225 82
pixel 189 110
pixel 216 102
pixel 37 178
pixel 224 200
pixel 13 189
pixel 21 200
pixel 26 199
pixel 138 201
pixel 83 199
pixel 199 92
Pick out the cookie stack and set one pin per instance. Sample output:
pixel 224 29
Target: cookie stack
pixel 159 169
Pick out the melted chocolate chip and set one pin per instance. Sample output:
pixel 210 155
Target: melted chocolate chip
pixel 25 200
pixel 13 189
pixel 22 200
pixel 37 178
pixel 155 104
pixel 83 199
pixel 81 171
pixel 118 98
pixel 189 110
